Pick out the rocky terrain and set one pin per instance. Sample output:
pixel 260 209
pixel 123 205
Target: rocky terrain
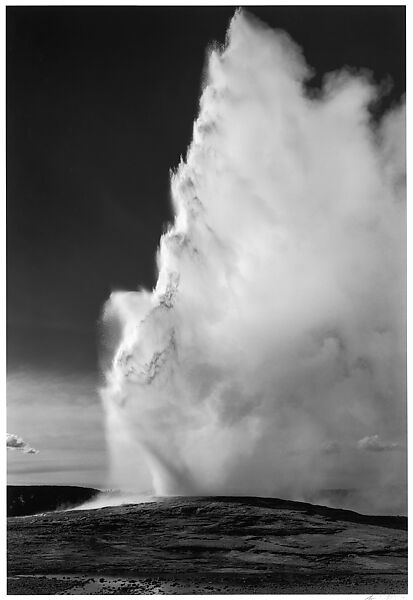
pixel 220 545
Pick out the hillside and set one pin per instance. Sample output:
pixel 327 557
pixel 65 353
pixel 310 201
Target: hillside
pixel 209 545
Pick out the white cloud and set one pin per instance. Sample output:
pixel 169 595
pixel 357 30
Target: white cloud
pixel 374 444
pixel 14 442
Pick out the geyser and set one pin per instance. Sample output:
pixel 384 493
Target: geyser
pixel 273 344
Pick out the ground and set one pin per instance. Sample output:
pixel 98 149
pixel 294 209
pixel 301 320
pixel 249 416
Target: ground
pixel 207 545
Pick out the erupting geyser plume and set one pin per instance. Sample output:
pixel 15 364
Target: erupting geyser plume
pixel 270 357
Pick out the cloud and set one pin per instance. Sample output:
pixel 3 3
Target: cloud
pixel 14 442
pixel 374 444
pixel 330 448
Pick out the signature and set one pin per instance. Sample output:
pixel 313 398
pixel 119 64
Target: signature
pixel 384 597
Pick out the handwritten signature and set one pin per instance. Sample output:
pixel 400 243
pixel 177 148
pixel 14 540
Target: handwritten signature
pixel 384 597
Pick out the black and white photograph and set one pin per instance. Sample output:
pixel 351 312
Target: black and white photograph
pixel 206 299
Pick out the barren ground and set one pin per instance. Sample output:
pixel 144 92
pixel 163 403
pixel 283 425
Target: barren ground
pixel 218 545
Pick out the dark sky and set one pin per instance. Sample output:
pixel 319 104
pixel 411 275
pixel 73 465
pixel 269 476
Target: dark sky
pixel 100 105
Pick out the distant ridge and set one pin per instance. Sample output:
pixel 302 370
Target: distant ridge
pixel 31 499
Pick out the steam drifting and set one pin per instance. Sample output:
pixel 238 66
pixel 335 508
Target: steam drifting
pixel 274 340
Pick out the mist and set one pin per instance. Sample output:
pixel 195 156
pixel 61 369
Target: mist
pixel 270 359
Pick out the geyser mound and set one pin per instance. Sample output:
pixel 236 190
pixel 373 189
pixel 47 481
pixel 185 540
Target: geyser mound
pixel 274 340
